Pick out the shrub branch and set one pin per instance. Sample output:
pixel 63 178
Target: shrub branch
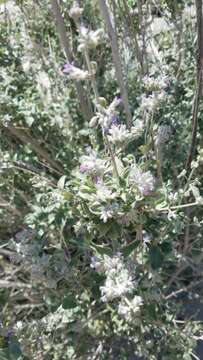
pixel 116 59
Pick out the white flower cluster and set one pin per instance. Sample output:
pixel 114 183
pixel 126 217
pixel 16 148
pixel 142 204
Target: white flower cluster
pixel 92 165
pixel 44 268
pixel 152 102
pixel 103 193
pixel 152 84
pixel 156 88
pixel 137 129
pixel 75 73
pixel 43 80
pixel 107 116
pixel 163 134
pixel 118 279
pixel 108 211
pixel 97 264
pixel 119 134
pixel 130 308
pixel 76 11
pixel 144 181
pixel 89 39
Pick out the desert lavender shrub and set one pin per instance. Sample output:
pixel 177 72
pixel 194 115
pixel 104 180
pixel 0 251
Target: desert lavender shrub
pixel 107 238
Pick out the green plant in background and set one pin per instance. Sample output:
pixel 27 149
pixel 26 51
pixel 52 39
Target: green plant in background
pixel 103 238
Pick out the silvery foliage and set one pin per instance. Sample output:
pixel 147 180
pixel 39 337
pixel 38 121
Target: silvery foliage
pixel 163 135
pixel 129 309
pixel 44 269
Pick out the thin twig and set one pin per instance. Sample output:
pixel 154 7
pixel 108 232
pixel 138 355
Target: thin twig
pixel 143 26
pixel 179 206
pixel 26 138
pixel 184 289
pixel 14 284
pixel 10 207
pixel 51 183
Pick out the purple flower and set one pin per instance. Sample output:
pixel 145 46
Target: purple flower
pixel 74 72
pixel 118 254
pixel 91 165
pixel 96 264
pixel 106 130
pixel 83 168
pixel 96 179
pixel 68 67
pixel 114 119
pixel 9 332
pixel 144 181
pixel 116 102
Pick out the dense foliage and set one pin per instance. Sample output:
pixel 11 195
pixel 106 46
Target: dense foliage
pixel 101 179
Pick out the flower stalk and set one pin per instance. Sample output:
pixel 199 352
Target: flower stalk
pixel 86 111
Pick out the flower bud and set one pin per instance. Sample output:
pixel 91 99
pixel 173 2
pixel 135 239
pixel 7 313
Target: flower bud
pixel 102 101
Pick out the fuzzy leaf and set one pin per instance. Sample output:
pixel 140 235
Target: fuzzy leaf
pixel 61 182
pixel 156 257
pixel 69 302
pixel 128 249
pixel 102 249
pixel 119 166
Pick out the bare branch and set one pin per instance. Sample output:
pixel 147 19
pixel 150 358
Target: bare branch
pixel 10 207
pixel 116 59
pixel 25 138
pixel 184 289
pixel 14 284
